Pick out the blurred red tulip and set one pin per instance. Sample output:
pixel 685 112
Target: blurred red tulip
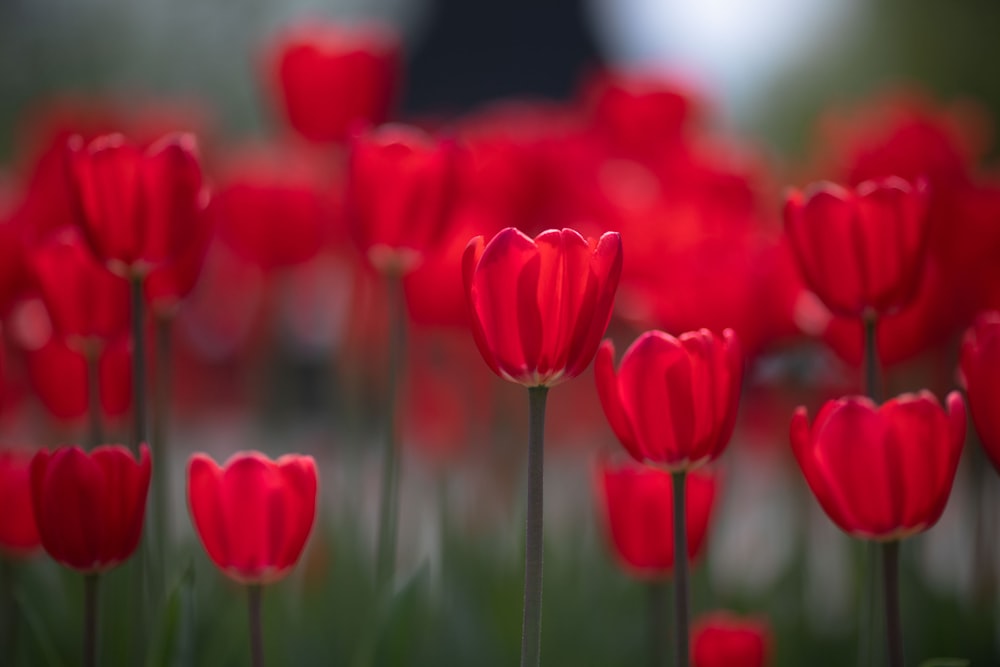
pixel 86 302
pixel 861 250
pixel 881 473
pixel 673 400
pixel 979 369
pixel 638 506
pixel 18 532
pixel 254 515
pixel 720 639
pixel 333 77
pixel 90 507
pixel 540 306
pixel 139 208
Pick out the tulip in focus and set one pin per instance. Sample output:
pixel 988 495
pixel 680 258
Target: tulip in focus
pixel 861 251
pixel 979 369
pixel 720 639
pixel 18 532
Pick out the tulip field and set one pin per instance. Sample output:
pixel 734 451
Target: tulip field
pixel 583 381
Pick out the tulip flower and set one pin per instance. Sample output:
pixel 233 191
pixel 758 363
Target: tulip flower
pixel 861 251
pixel 332 77
pixel 401 185
pixel 253 516
pixel 18 532
pixel 673 404
pixel 979 368
pixel 882 473
pixel 720 639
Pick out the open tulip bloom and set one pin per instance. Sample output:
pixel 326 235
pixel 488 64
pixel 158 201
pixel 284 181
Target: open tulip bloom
pixel 882 473
pixel 538 308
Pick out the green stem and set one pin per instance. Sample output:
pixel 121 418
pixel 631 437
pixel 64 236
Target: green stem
pixel 140 571
pixel 680 571
pixel 873 369
pixel 158 439
pixel 9 622
pixel 385 561
pixel 90 620
pixel 95 427
pixel 256 634
pixel 656 597
pixel 868 618
pixel 531 626
pixel 890 579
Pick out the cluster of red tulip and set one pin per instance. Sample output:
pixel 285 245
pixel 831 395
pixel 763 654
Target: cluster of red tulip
pixel 502 229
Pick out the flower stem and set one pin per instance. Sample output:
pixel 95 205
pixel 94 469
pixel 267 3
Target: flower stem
pixel 138 367
pixel 158 436
pixel 656 597
pixel 95 429
pixel 388 520
pixel 873 370
pixel 868 618
pixel 256 635
pixel 531 626
pixel 890 579
pixel 90 620
pixel 680 571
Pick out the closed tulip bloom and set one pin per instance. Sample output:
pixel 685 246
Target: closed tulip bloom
pixel 90 506
pixel 881 472
pixel 253 515
pixel 721 639
pixel 979 367
pixel 140 208
pixel 673 400
pixel 332 77
pixel 18 532
pixel 863 250
pixel 401 185
pixel 538 307
pixel 638 505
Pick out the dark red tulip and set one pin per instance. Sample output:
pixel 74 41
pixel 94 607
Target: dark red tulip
pixel 638 505
pixel 18 532
pixel 58 374
pixel 721 639
pixel 87 303
pixel 139 208
pixel 673 400
pixel 860 250
pixel 881 473
pixel 333 77
pixel 979 367
pixel 538 307
pixel 401 186
pixel 90 507
pixel 254 515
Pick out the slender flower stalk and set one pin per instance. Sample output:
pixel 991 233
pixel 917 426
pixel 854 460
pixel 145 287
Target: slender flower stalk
pixel 868 619
pixel 388 521
pixel 138 365
pixel 256 633
pixel 656 598
pixel 90 620
pixel 531 627
pixel 158 439
pixel 890 579
pixel 95 427
pixel 680 572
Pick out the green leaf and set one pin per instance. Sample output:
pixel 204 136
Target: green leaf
pixel 164 646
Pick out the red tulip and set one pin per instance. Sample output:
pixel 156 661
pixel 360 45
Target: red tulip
pixel 90 507
pixel 721 639
pixel 638 505
pixel 881 473
pixel 979 367
pixel 332 77
pixel 862 250
pixel 139 208
pixel 673 401
pixel 254 515
pixel 401 185
pixel 18 532
pixel 539 306
pixel 85 301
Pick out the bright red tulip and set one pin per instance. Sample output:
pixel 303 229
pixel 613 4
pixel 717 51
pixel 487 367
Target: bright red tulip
pixel 87 303
pixel 673 401
pixel 332 77
pixel 18 532
pixel 254 515
pixel 721 639
pixel 881 473
pixel 860 250
pixel 979 367
pixel 539 307
pixel 139 208
pixel 401 186
pixel 638 505
pixel 90 506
